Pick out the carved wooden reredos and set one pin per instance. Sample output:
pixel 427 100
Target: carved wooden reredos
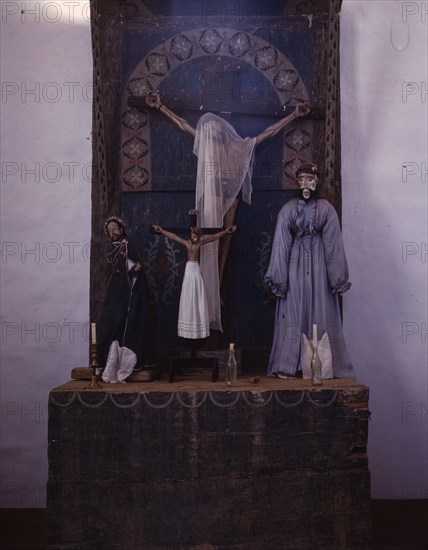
pixel 290 47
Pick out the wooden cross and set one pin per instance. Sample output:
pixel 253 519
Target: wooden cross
pixel 193 361
pixel 193 214
pixel 224 110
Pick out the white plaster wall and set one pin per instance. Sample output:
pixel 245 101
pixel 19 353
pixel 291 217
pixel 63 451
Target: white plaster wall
pixel 44 294
pixel 45 226
pixel 384 170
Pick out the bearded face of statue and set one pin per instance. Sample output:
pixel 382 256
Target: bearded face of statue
pixel 307 184
pixel 114 231
pixel 195 235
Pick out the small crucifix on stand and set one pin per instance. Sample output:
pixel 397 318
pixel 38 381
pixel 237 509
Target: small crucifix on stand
pixel 193 316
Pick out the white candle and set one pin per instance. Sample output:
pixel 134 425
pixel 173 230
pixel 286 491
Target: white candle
pixel 93 334
pixel 314 333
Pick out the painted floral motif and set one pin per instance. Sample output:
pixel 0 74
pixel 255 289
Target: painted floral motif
pixel 135 148
pixel 135 177
pixel 157 64
pixel 134 119
pixel 181 47
pixel 210 41
pixel 298 139
pixel 266 58
pixel 286 81
pixel 263 257
pixel 139 86
pixel 239 44
pixel 162 268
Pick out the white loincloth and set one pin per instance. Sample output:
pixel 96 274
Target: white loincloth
pixel 193 318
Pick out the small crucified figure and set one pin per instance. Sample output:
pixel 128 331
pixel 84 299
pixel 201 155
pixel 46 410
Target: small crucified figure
pixel 193 315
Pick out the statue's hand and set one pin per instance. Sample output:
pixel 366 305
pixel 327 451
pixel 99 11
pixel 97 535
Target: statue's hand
pixel 153 100
pixel 303 109
pixel 271 296
pixel 123 248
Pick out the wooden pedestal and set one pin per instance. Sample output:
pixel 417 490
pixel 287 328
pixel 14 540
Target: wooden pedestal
pixel 195 465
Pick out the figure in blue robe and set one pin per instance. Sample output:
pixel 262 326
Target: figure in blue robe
pixel 307 271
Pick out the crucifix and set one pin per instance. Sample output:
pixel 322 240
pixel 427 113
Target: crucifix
pixel 225 164
pixel 303 109
pixel 194 317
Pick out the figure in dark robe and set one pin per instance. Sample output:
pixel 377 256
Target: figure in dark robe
pixel 307 271
pixel 125 342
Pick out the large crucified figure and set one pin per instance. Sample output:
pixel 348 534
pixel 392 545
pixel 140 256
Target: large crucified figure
pixel 225 164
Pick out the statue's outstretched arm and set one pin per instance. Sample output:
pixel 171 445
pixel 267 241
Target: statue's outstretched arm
pixel 229 230
pixel 169 235
pixel 302 109
pixel 153 100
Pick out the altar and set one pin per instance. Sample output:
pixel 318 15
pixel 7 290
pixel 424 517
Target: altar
pixel 267 464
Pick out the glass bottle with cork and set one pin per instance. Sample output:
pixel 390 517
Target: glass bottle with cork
pixel 316 361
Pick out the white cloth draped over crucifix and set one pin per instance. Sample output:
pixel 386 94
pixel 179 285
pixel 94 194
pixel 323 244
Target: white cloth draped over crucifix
pixel 225 165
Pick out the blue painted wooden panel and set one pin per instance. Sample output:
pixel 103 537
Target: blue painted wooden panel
pixel 248 313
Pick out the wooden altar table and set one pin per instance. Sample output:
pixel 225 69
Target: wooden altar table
pixel 268 465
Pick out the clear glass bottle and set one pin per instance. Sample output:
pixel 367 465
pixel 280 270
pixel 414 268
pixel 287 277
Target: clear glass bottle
pixel 316 367
pixel 231 367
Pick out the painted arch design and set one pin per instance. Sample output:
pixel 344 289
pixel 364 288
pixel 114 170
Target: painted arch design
pixel 189 45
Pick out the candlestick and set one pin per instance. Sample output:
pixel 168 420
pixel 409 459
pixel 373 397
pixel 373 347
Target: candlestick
pixel 94 385
pixel 93 333
pixel 316 366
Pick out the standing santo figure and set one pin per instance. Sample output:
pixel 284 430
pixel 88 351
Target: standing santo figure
pixel 193 315
pixel 307 271
pixel 225 165
pixel 125 342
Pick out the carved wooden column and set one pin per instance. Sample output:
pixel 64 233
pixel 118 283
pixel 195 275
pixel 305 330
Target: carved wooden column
pixel 332 180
